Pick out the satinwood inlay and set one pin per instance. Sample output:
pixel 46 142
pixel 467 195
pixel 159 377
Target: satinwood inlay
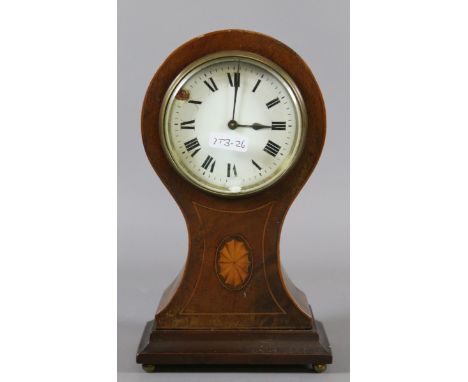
pixel 234 263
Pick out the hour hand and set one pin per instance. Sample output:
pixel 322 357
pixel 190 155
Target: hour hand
pixel 256 126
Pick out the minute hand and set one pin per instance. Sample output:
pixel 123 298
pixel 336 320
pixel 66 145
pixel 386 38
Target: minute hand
pixel 256 126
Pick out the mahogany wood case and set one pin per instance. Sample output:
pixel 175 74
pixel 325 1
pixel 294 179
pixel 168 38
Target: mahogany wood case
pixel 207 315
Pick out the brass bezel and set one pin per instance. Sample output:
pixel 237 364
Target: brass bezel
pixel 269 66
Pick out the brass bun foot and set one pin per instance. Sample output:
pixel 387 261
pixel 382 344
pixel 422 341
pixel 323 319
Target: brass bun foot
pixel 320 368
pixel 149 368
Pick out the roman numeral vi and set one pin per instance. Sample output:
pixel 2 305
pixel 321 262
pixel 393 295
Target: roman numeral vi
pixel 234 171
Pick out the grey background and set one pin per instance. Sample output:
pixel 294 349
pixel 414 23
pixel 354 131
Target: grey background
pixel 152 238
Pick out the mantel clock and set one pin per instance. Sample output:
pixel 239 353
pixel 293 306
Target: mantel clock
pixel 233 123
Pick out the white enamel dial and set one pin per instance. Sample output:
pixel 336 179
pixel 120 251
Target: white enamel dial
pixel 233 123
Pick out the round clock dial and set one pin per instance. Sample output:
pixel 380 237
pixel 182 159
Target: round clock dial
pixel 233 123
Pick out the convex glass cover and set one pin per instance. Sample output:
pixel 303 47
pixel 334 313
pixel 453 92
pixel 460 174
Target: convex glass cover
pixel 233 123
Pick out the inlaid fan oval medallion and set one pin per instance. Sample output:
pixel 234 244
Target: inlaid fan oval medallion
pixel 234 262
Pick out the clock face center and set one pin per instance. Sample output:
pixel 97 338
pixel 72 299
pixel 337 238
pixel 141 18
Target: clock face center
pixel 232 124
pixel 262 137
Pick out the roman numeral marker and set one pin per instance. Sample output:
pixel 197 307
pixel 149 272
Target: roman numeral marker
pixel 256 164
pixel 211 86
pixel 272 148
pixel 278 125
pixel 195 102
pixel 187 125
pixel 207 162
pixel 273 102
pixel 236 82
pixel 256 86
pixel 191 145
pixel 229 170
